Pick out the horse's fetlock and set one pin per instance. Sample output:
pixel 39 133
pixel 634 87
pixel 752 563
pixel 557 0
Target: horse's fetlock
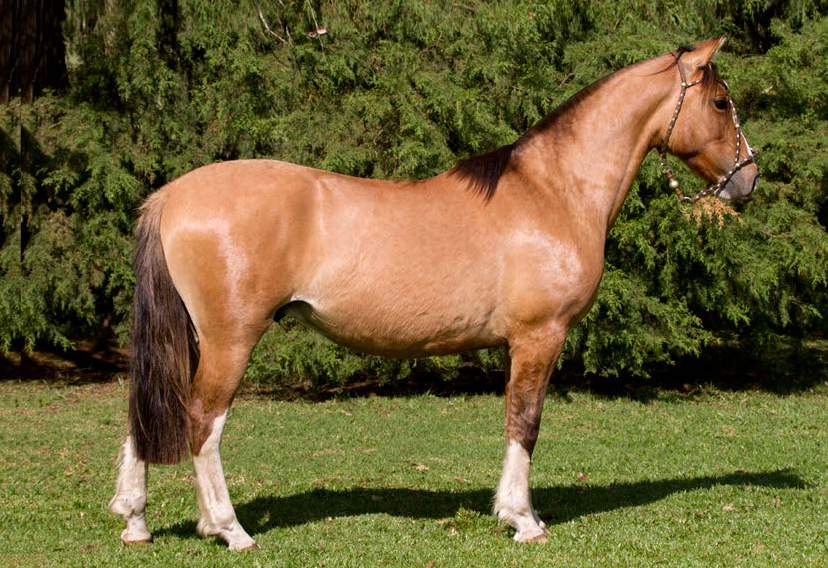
pixel 217 524
pixel 127 505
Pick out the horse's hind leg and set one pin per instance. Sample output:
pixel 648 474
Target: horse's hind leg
pixel 130 498
pixel 220 369
pixel 533 356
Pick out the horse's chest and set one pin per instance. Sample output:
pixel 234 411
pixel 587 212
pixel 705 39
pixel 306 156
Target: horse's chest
pixel 550 279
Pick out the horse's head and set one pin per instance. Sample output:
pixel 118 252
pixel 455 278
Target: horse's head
pixel 704 130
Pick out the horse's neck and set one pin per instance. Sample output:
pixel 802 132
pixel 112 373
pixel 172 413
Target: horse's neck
pixel 595 149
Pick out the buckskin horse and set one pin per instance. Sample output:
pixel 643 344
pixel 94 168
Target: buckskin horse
pixel 506 248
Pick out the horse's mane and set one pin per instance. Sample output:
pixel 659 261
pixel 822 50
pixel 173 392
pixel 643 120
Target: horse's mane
pixel 483 172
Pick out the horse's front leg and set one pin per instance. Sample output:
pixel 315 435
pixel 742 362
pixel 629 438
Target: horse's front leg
pixel 533 354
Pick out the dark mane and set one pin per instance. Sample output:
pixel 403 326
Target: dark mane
pixel 682 49
pixel 483 172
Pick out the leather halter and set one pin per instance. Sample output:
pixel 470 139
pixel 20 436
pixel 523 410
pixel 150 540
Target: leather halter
pixel 713 188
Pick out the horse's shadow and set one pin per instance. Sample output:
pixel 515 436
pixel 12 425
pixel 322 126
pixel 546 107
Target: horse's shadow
pixel 555 504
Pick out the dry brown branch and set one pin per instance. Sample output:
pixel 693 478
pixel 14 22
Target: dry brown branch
pixel 266 26
pixel 710 209
pixel 319 30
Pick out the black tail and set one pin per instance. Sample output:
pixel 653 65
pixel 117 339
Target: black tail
pixel 164 349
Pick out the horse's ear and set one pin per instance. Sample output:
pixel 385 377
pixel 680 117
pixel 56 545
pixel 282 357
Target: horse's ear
pixel 703 53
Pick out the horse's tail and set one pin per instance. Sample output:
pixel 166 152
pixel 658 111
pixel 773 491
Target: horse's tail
pixel 164 349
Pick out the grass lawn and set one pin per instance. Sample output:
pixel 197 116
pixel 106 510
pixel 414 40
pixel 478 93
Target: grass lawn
pixel 718 478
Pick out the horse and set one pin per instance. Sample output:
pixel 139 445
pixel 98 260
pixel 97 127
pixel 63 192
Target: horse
pixel 503 249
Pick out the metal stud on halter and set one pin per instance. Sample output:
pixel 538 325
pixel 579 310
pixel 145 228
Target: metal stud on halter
pixel 713 188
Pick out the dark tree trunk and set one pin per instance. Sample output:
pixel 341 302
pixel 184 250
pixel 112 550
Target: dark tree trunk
pixel 32 51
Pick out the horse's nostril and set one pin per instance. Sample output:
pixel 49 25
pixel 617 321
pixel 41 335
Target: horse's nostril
pixel 755 183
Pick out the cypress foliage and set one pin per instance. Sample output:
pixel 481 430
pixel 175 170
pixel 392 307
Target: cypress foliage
pixel 401 89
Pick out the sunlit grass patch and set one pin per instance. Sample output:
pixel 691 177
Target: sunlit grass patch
pixel 716 479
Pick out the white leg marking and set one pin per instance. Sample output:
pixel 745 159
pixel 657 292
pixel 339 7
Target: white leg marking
pixel 217 515
pixel 130 498
pixel 512 501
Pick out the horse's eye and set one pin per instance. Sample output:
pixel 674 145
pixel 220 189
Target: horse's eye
pixel 720 104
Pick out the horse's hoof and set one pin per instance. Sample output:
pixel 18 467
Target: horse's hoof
pixel 244 547
pixel 137 541
pixel 136 537
pixel 540 537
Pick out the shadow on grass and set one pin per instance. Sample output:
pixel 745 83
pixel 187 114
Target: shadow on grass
pixel 555 504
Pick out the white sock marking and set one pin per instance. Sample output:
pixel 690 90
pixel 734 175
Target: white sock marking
pixel 130 498
pixel 217 514
pixel 512 500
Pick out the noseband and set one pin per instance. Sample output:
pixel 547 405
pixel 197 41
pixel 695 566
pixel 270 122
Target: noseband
pixel 713 188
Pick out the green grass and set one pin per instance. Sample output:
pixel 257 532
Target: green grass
pixel 716 479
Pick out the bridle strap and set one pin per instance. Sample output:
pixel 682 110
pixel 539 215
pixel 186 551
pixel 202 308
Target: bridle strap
pixel 664 148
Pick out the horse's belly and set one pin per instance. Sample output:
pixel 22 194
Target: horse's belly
pixel 400 329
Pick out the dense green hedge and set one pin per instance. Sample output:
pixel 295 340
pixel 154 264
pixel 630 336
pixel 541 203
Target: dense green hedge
pixel 401 89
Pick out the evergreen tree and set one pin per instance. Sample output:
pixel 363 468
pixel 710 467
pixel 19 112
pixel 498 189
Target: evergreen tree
pixel 401 90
